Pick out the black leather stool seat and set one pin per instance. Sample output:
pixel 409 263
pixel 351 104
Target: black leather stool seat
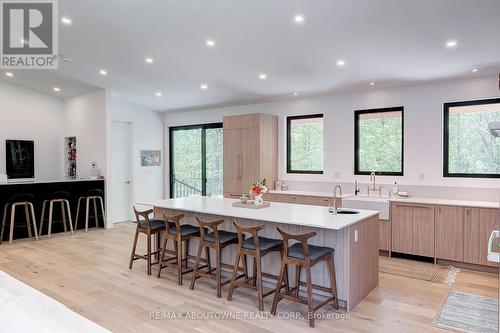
pixel 297 251
pixel 264 243
pixel 95 193
pixel 60 195
pixel 22 198
pixel 155 224
pixel 224 236
pixel 186 230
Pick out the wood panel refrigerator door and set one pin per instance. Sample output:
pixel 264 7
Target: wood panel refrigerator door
pixel 251 157
pixel 449 233
pixel 120 180
pixel 402 229
pixel 233 162
pixel 423 230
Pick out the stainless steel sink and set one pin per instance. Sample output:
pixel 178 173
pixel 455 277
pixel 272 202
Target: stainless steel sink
pixel 346 211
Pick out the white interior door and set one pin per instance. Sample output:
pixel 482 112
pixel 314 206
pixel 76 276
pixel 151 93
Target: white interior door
pixel 120 178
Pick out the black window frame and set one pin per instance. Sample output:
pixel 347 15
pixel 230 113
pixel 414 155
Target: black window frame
pixel 446 132
pixel 357 113
pixel 203 128
pixel 289 120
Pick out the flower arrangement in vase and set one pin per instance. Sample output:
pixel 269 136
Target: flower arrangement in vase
pixel 257 191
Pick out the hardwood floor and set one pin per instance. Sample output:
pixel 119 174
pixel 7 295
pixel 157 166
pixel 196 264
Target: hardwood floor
pixel 89 274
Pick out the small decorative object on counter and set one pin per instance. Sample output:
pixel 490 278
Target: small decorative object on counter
pixel 257 191
pixel 244 199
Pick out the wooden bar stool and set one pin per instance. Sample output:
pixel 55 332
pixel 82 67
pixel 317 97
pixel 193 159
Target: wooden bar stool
pixel 149 228
pixel 94 196
pixel 256 247
pixel 304 255
pixel 63 198
pixel 216 240
pixel 25 200
pixel 180 235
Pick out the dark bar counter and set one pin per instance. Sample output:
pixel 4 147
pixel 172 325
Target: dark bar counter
pixel 41 190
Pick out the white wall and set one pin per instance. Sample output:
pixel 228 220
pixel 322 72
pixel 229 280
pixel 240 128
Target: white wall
pixel 85 117
pixel 423 128
pixel 148 182
pixel 29 115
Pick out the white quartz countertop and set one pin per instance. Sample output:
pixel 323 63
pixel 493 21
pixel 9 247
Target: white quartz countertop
pixel 303 215
pixel 47 181
pixel 309 193
pixel 447 202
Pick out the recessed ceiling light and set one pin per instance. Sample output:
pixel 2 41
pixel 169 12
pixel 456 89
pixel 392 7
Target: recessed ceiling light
pixel 210 42
pixel 372 83
pixel 474 70
pixel 149 60
pixel 158 94
pixel 56 89
pixel 103 72
pixel 451 44
pixel 340 62
pixel 298 18
pixel 66 20
pixel 9 74
pixel 262 76
pixel 203 86
pixel 295 94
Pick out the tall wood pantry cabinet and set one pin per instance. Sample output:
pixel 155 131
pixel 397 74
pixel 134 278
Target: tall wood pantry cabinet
pixel 250 152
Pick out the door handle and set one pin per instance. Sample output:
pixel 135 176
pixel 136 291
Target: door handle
pixel 240 167
pixel 127 182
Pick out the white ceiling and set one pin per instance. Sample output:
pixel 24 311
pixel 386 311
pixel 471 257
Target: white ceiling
pixel 388 42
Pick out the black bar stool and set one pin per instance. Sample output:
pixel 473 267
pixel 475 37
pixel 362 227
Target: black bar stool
pixel 149 228
pixel 91 195
pixel 63 198
pixel 304 255
pixel 25 200
pixel 256 247
pixel 216 240
pixel 180 234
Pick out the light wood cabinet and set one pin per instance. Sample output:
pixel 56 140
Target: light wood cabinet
pixel 384 230
pixel 450 233
pixel 250 152
pixel 413 229
pixel 478 225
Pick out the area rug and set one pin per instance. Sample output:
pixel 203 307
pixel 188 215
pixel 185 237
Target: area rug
pixel 25 309
pixel 464 312
pixel 418 270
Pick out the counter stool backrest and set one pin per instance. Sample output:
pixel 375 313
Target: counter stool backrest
pixel 213 226
pixel 145 216
pixel 173 221
pixel 302 238
pixel 253 231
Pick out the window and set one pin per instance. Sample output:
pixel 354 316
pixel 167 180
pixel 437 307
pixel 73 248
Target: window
pixel 196 160
pixel 305 144
pixel 378 141
pixel 469 148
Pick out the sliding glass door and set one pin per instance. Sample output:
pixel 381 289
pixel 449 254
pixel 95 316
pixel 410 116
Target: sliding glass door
pixel 196 160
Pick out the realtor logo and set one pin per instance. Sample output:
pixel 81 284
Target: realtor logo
pixel 29 36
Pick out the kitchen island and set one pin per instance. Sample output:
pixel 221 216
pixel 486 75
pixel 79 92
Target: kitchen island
pixel 353 236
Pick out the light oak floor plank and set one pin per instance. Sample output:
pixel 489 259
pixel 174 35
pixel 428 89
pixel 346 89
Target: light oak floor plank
pixel 88 272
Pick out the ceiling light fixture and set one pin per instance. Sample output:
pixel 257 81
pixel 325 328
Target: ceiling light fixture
pixel 295 94
pixel 203 86
pixel 262 76
pixel 9 74
pixel 451 44
pixel 340 62
pixel 66 20
pixel 158 94
pixel 149 60
pixel 372 83
pixel 56 89
pixel 210 43
pixel 474 70
pixel 298 19
pixel 103 72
